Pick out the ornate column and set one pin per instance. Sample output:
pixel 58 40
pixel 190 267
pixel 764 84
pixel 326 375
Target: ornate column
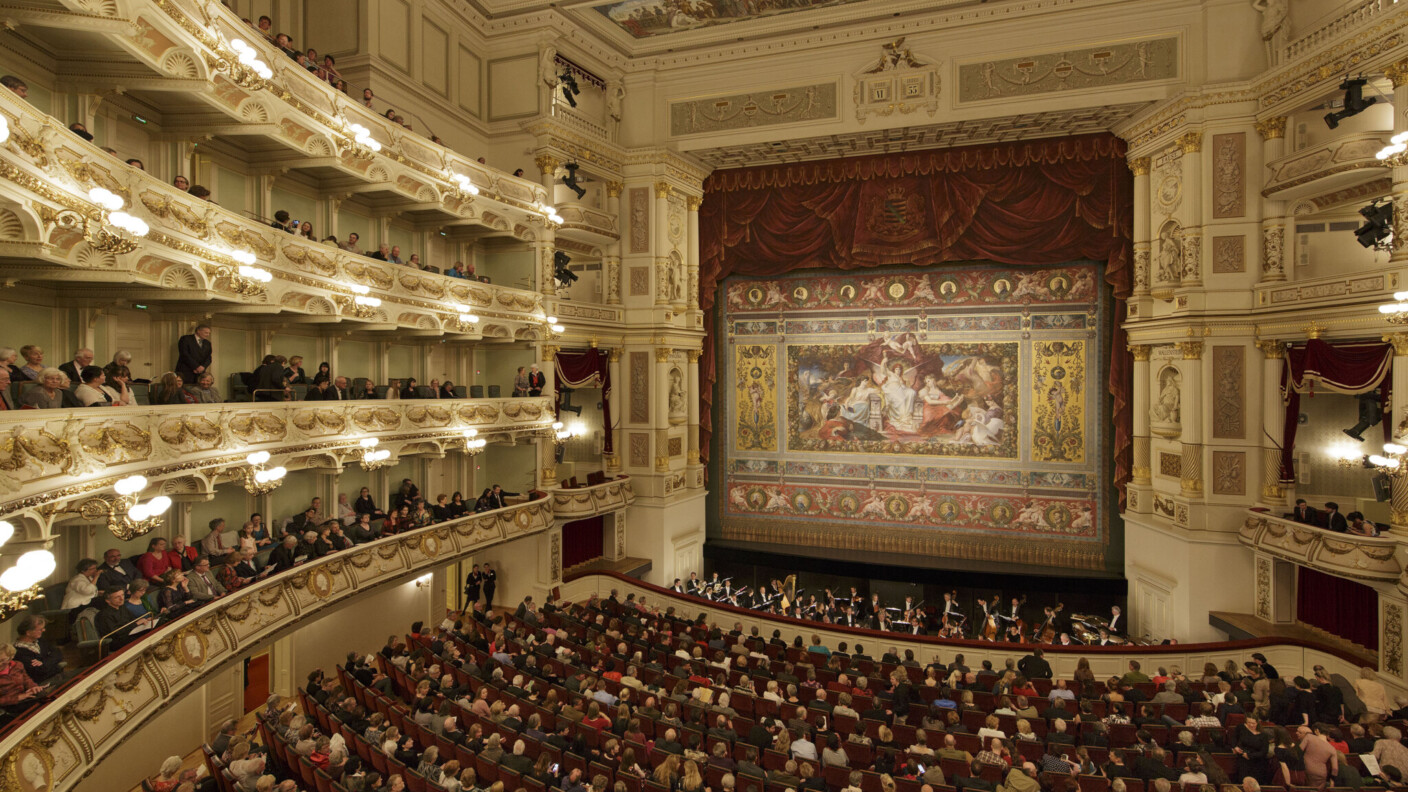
pixel 1398 75
pixel 618 388
pixel 1140 168
pixel 691 398
pixel 611 265
pixel 547 169
pixel 543 249
pixel 1273 415
pixel 1141 471
pixel 547 355
pixel 660 242
pixel 662 408
pixel 1398 518
pixel 691 284
pixel 1273 213
pixel 1192 145
pixel 1191 415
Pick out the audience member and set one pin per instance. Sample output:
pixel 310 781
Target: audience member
pixel 194 353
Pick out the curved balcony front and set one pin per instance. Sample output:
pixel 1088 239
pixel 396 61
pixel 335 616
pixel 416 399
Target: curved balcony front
pixel 1346 555
pixel 576 503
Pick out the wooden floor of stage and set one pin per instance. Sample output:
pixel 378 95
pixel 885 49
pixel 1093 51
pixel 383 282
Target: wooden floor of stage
pixel 1245 625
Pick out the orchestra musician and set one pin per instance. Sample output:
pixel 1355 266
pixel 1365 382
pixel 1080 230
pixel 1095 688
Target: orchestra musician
pixel 1115 627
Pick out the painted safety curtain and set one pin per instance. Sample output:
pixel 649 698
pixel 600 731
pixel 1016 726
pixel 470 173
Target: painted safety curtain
pixel 587 368
pixel 1034 203
pixel 1348 367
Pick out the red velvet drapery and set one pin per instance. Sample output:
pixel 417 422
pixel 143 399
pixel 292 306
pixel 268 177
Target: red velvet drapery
pixel 1346 367
pixel 1033 203
pixel 587 368
pixel 1339 606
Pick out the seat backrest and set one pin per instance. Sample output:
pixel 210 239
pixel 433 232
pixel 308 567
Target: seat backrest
pixel 494 391
pixel 87 630
pixel 381 391
pixel 239 386
pixel 141 392
pixel 299 391
pixel 425 391
pixel 459 391
pixel 476 391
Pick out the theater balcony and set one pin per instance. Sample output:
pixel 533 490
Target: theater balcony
pixel 593 500
pixel 1346 555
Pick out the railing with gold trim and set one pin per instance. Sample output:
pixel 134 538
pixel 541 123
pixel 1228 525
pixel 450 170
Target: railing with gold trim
pixel 1345 555
pixel 57 746
pixel 48 457
pixel 579 502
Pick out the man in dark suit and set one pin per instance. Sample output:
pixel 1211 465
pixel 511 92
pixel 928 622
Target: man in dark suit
pixel 116 571
pixel 1304 514
pixel 973 780
pixel 320 392
pixel 74 368
pixel 537 380
pixel 1333 519
pixel 193 353
pixel 338 391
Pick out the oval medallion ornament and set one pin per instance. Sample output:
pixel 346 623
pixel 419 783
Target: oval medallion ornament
pixel 320 583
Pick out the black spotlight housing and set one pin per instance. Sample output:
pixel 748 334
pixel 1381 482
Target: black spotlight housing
pixel 1354 101
pixel 569 87
pixel 570 180
pixel 1378 223
pixel 560 272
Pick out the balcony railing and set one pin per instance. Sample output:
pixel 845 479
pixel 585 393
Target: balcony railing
pixel 51 456
pixel 108 704
pixel 576 503
pixel 1345 555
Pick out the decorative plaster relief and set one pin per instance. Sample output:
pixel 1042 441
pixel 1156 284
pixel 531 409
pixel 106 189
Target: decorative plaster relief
pixel 1229 473
pixel 1069 70
pixel 1229 175
pixel 1229 392
pixel 754 109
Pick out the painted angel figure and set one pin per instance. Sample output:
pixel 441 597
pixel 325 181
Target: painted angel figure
pixel 893 379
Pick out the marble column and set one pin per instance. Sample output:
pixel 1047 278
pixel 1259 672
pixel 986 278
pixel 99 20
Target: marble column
pixel 543 249
pixel 691 398
pixel 1398 518
pixel 1140 168
pixel 1398 75
pixel 618 393
pixel 611 264
pixel 1141 472
pixel 660 242
pixel 1273 213
pixel 547 448
pixel 1191 416
pixel 1273 416
pixel 662 408
pixel 691 283
pixel 1192 145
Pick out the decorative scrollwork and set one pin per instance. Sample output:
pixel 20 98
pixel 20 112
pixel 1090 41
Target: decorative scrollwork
pixel 18 451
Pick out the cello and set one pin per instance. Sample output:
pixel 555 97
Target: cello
pixel 1047 632
pixel 989 630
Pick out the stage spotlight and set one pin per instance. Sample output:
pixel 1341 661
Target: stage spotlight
pixel 1371 412
pixel 570 180
pixel 1378 224
pixel 560 272
pixel 1354 101
pixel 569 87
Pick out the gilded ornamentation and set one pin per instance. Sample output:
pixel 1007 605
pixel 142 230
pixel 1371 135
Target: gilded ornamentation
pixel 639 201
pixel 1192 350
pixel 1058 417
pixel 1191 142
pixel 1139 166
pixel 1083 67
pixel 1170 465
pixel 1273 128
pixel 1140 352
pixel 19 451
pixel 190 431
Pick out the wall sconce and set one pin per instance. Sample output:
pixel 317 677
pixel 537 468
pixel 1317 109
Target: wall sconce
pixel 425 580
pixel 465 320
pixel 561 433
pixel 127 518
pixel 363 145
pixel 246 68
pixel 551 214
pixel 473 444
pixel 19 585
pixel 466 185
pixel 257 480
pixel 114 231
pixel 245 279
pixel 372 458
pixel 1389 463
pixel 361 306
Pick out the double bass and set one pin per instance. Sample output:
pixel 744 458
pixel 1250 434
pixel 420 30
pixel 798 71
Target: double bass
pixel 1046 633
pixel 989 629
pixel 952 622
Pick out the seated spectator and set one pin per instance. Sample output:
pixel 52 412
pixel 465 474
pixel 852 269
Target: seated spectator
pixel 182 556
pixel 330 71
pixel 116 386
pixel 305 230
pixel 33 364
pixel 331 241
pixel 368 390
pixel 409 391
pixel 294 371
pixel 80 130
pixel 284 557
pixel 351 244
pixel 136 163
pixel 15 84
pixel 168 777
pixel 181 183
pixel 281 221
pixel 324 372
pixel 367 97
pixel 518 172
pixel 395 257
pixel 366 505
pixel 17 689
pixel 92 393
pixel 345 513
pixel 266 26
pixel 115 621
pixel 414 261
pixel 82 587
pixel 269 380
pixel 456 270
pixel 155 562
pixel 383 252
pixel 483 503
pixel 407 494
pixel 205 390
pixel 227 571
pixel 43 661
pixel 200 191
pixel 174 597
pixel 447 391
pixel 283 42
pixel 49 394
pixel 1359 526
pixel 393 389
pixel 320 392
pixel 172 391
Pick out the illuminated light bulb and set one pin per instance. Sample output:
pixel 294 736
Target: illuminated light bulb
pixel 1395 449
pixel 159 505
pixel 262 70
pixel 257 458
pixel 358 288
pixel 558 329
pixel 1382 461
pixel 552 320
pixel 238 45
pixel 468 318
pixel 105 198
pixel 131 485
pixel 278 473
pixel 31 568
pixel 243 256
pixel 557 425
pixel 370 442
pixel 368 301
pixel 467 433
pixel 6 531
pixel 4 129
pixel 139 513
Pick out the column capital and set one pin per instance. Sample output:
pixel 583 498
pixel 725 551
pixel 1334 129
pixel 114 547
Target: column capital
pixel 1397 73
pixel 614 188
pixel 1141 352
pixel 1139 166
pixel 663 189
pixel 1192 350
pixel 1271 348
pixel 662 354
pixel 548 351
pixel 693 355
pixel 547 163
pixel 1400 343
pixel 1191 142
pixel 693 202
pixel 1273 128
pixel 615 354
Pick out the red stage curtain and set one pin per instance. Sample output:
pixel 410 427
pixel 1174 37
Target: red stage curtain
pixel 1350 368
pixel 1338 606
pixel 1034 203
pixel 587 368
